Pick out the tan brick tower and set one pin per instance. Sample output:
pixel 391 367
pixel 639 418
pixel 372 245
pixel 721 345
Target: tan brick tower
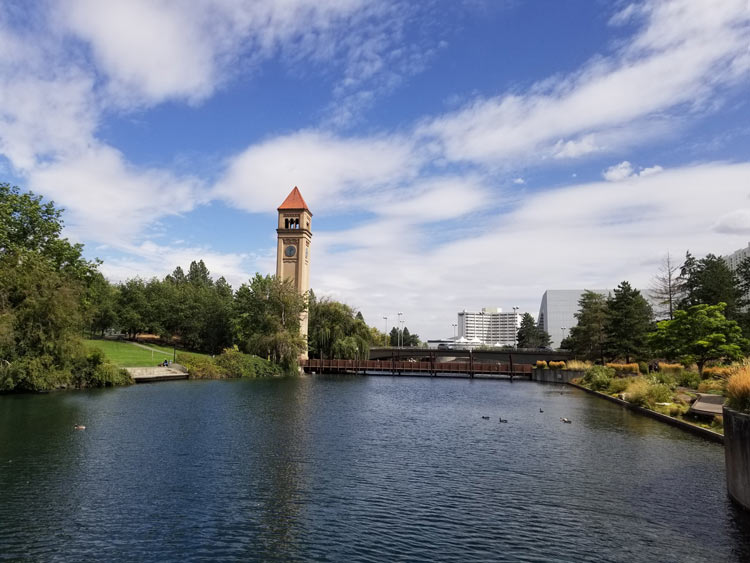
pixel 293 247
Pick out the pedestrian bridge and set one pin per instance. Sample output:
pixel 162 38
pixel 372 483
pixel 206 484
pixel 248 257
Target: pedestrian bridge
pixel 432 368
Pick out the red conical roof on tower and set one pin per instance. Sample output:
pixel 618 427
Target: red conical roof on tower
pixel 294 201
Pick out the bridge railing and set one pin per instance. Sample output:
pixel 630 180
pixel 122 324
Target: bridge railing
pixel 402 366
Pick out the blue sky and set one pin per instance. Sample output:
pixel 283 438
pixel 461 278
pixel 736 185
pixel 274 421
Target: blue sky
pixel 454 154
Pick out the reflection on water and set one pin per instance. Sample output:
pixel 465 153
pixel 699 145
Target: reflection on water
pixel 356 469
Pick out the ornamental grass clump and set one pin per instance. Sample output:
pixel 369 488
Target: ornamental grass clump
pixel 718 372
pixel 556 365
pixel 624 369
pixel 578 365
pixel 738 390
pixel 714 386
pixel 541 364
pixel 674 369
pixel 598 378
pixel 644 394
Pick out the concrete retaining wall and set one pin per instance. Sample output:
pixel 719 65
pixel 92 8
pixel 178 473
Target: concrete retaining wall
pixel 555 375
pixel 692 428
pixel 737 455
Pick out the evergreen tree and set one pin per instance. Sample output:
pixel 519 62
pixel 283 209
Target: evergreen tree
pixel 405 337
pixel 628 323
pixel 530 335
pixel 587 339
pixel 394 337
pixel 709 281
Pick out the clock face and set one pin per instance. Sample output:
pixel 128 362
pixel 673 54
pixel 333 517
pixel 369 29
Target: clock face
pixel 290 251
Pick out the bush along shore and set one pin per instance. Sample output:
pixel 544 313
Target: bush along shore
pixel 669 390
pixel 231 363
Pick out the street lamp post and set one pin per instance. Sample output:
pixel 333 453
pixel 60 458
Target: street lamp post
pixel 563 329
pixel 515 326
pixel 385 330
pixel 400 334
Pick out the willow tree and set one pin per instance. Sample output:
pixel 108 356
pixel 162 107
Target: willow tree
pixel 267 319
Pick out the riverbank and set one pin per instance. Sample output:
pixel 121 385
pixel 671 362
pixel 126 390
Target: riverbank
pixel 684 425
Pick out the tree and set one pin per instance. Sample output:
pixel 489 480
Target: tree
pixel 709 281
pixel 587 339
pixel 395 337
pixel 628 323
pixel 335 331
pixel 530 335
pixel 699 334
pixel 267 312
pixel 665 287
pixel 44 283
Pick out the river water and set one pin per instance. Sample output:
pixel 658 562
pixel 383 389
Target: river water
pixel 356 469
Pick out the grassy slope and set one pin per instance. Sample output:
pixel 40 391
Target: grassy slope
pixel 127 354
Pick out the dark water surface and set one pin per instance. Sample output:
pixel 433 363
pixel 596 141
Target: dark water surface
pixel 356 469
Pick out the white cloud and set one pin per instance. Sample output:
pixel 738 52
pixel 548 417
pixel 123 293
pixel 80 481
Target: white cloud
pixel 330 169
pixel 625 170
pixel 575 148
pixel 519 181
pixel 107 200
pixel 149 260
pixel 618 172
pixel 586 235
pixel 685 54
pixel 735 222
pixel 651 170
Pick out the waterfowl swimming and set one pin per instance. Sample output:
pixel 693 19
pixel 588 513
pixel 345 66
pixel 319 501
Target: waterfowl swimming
pixel 79 427
pixel 565 420
pixel 485 418
pixel 503 419
pixel 540 410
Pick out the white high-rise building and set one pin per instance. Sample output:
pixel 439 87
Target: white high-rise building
pixel 490 326
pixel 557 312
pixel 734 259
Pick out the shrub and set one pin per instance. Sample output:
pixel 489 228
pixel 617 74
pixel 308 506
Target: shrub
pixel 541 364
pixel 718 372
pixel 718 423
pixel 94 370
pixel 557 365
pixel 617 385
pixel 712 386
pixel 201 367
pixel 664 378
pixel 578 365
pixel 230 363
pixel 598 377
pixel 689 379
pixel 642 393
pixel 236 364
pixel 738 390
pixel 676 410
pixel 674 369
pixel 643 368
pixel 624 369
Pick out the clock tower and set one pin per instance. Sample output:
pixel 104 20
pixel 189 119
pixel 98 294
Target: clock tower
pixel 293 247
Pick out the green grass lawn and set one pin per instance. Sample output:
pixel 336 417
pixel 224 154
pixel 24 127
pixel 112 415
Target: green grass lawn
pixel 127 354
